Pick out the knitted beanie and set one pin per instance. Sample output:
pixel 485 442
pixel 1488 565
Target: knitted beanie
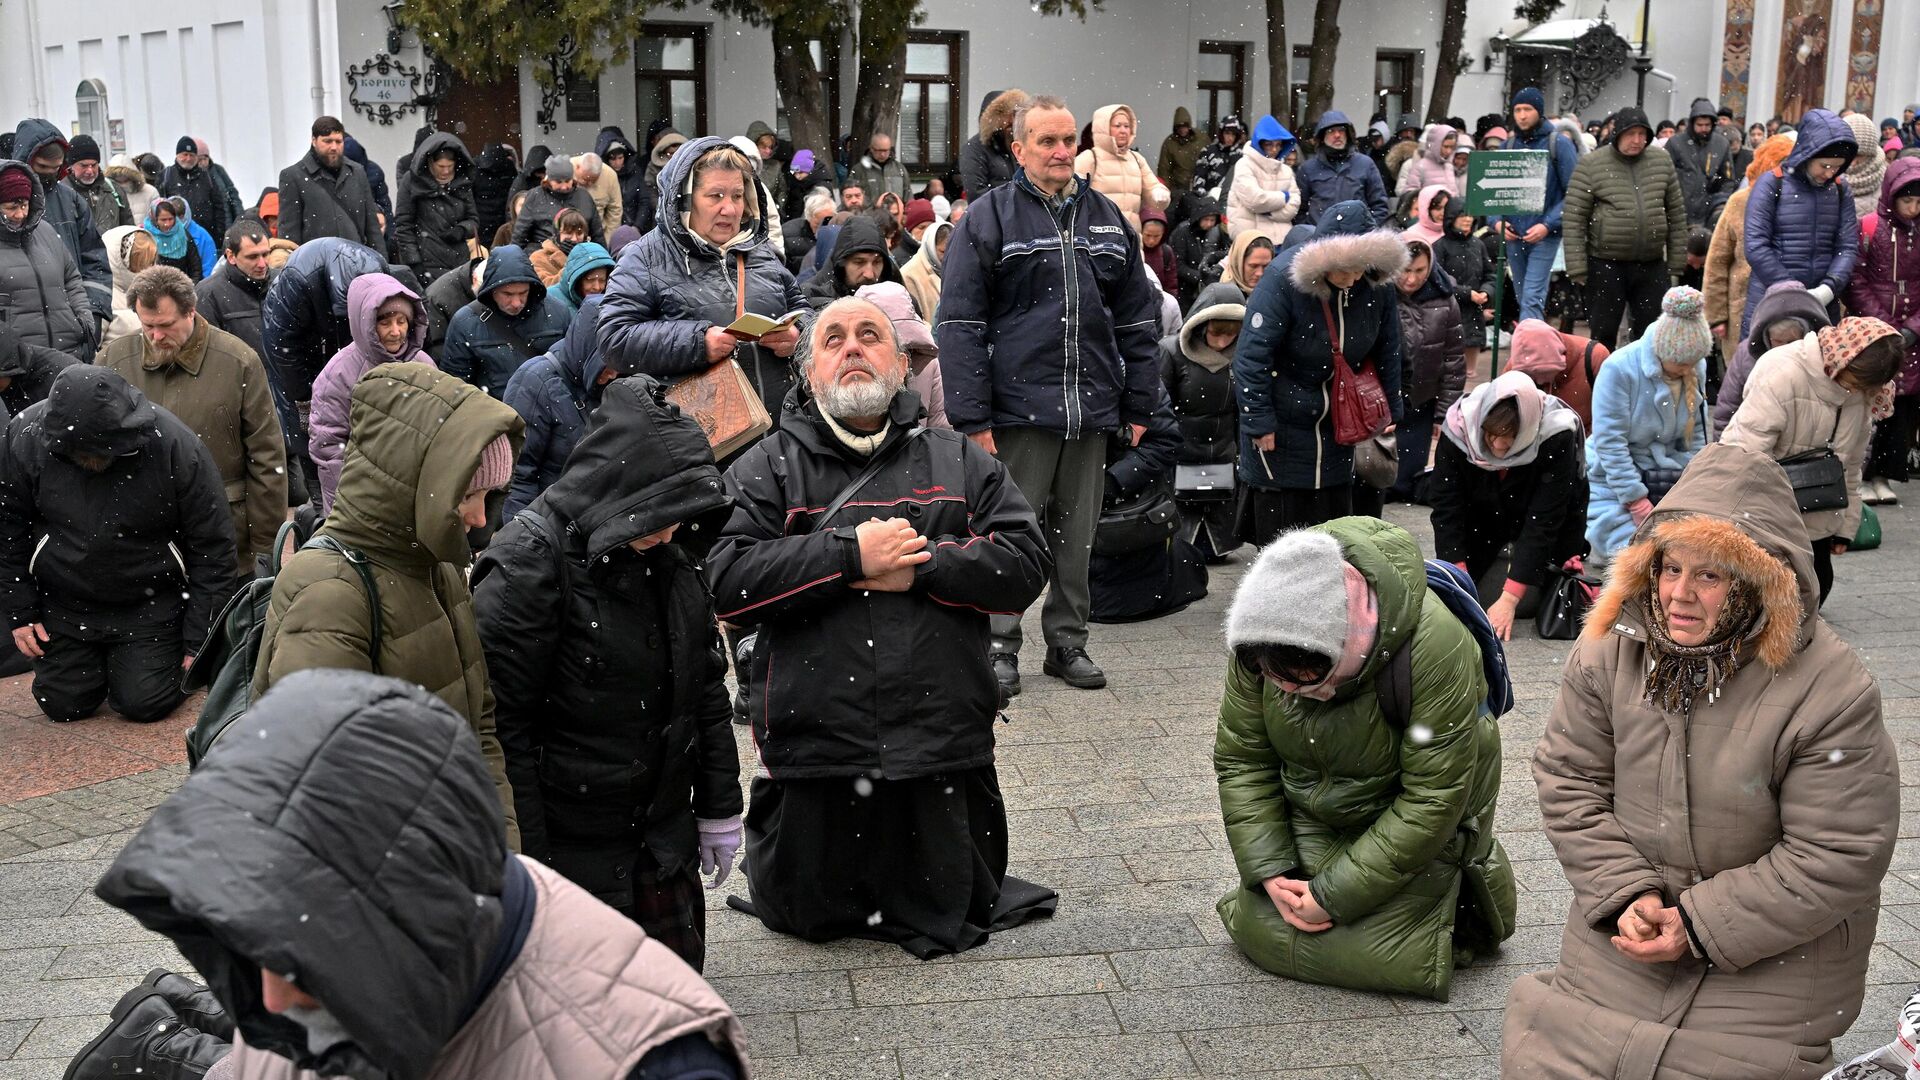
pixel 1295 594
pixel 1531 95
pixel 919 212
pixel 83 148
pixel 496 466
pixel 1680 335
pixel 802 162
pixel 15 184
pixel 559 167
pixel 186 145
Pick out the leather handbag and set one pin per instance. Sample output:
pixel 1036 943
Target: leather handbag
pixel 1564 607
pixel 1143 521
pixel 1204 483
pixel 722 400
pixel 1376 461
pixel 1360 406
pixel 1819 477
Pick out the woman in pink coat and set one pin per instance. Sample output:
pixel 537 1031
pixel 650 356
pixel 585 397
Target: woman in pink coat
pixel 1435 163
pixel 389 324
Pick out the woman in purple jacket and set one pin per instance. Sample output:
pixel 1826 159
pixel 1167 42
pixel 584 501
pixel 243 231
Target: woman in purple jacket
pixel 1887 286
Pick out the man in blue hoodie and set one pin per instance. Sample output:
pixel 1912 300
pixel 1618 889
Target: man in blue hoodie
pixel 1335 174
pixel 1533 240
pixel 512 319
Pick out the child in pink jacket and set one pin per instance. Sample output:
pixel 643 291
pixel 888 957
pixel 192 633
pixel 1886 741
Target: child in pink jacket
pixel 389 326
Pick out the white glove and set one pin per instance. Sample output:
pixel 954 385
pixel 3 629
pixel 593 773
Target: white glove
pixel 1822 293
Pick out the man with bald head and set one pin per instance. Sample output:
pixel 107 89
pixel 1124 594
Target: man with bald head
pixel 868 552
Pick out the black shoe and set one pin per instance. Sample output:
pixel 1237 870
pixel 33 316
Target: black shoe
pixel 1006 669
pixel 197 1006
pixel 1071 666
pixel 147 1039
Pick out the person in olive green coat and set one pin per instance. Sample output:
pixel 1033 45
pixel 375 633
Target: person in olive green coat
pixel 422 440
pixel 1365 848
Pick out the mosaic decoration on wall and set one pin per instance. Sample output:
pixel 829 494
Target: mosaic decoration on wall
pixel 1736 58
pixel 1863 59
pixel 1804 28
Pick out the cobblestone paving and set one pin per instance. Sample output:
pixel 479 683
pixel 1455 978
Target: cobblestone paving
pixel 1112 802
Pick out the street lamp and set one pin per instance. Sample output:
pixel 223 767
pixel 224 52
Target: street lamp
pixel 395 33
pixel 1643 64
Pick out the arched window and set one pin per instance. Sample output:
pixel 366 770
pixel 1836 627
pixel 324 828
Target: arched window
pixel 90 108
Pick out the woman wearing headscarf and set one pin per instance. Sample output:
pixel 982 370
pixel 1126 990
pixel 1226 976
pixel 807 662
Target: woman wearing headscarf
pixel 921 274
pixel 1869 168
pixel 1825 390
pixel 130 249
pixel 1240 272
pixel 1723 797
pixel 180 243
pixel 1649 419
pixel 1787 313
pixel 1510 470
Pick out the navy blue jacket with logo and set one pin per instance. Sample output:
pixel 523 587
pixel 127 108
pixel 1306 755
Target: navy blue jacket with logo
pixel 1031 338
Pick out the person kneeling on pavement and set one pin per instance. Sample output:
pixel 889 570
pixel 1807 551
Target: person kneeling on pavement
pixel 1142 567
pixel 879 814
pixel 612 702
pixel 339 873
pixel 1364 842
pixel 116 548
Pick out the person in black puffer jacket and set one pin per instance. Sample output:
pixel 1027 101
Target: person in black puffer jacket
pixel 1434 358
pixel 612 702
pixel 437 216
pixel 66 211
pixel 230 298
pixel 41 293
pixel 1197 366
pixel 860 236
pixel 503 327
pixel 553 394
pixel 986 161
pixel 1199 243
pixel 493 178
pixel 1464 257
pixel 1156 578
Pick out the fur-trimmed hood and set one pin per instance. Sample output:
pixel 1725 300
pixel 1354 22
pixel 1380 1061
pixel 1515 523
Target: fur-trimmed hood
pixel 1380 255
pixel 998 115
pixel 1736 506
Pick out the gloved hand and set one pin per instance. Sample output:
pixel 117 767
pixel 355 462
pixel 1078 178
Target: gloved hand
pixel 1639 508
pixel 1822 293
pixel 720 840
pixel 1909 338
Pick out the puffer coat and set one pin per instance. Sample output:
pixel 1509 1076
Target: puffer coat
pixel 1329 178
pixel 1724 285
pixel 827 703
pixel 432 224
pixel 473 945
pixel 1392 825
pixel 1768 817
pixel 1199 250
pixel 1125 177
pixel 1624 209
pixel 1283 368
pixel 231 301
pixel 1264 195
pixel 609 674
pixel 1433 165
pixel 553 394
pixel 1786 300
pixel 1466 262
pixel 1796 231
pixel 41 294
pixel 1432 348
pixel 303 322
pixel 330 422
pixel 1199 380
pixel 486 346
pixel 670 286
pixel 417 439
pixel 70 216
pixel 1638 424
pixel 1887 283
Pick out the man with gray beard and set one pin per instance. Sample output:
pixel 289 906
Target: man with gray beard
pixel 869 551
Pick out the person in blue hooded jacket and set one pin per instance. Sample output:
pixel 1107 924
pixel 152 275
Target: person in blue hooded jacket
pixel 1533 240
pixel 553 394
pixel 588 269
pixel 1801 224
pixel 512 319
pixel 1335 174
pixel 1341 281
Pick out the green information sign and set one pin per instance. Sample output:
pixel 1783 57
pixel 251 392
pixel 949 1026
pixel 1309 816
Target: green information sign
pixel 1507 182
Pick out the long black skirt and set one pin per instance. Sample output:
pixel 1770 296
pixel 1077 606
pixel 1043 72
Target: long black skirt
pixel 921 863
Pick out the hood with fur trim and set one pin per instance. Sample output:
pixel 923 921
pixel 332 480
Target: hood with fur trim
pixel 1736 507
pixel 1378 255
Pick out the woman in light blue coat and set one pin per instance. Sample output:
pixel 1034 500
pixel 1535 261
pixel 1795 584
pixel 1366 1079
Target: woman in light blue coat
pixel 1649 419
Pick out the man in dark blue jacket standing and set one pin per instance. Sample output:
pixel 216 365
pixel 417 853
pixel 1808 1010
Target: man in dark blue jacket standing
pixel 1533 240
pixel 1047 341
pixel 1335 174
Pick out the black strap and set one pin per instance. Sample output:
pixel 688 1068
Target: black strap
pixel 1587 359
pixel 360 565
pixel 878 462
pixel 1393 685
pixel 1835 433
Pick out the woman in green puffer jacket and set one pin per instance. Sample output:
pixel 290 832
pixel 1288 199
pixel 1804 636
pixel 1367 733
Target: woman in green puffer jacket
pixel 1365 846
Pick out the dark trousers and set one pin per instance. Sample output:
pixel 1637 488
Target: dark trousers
pixel 1063 480
pixel 1489 565
pixel 671 908
pixel 1887 460
pixel 1414 436
pixel 1823 565
pixel 1615 288
pixel 138 674
pixel 1268 512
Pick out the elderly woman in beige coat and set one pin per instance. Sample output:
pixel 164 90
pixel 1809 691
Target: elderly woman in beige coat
pixel 1722 795
pixel 1825 390
pixel 1115 168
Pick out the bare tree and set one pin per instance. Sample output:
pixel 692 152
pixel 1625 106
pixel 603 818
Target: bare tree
pixel 1453 36
pixel 882 56
pixel 1326 47
pixel 1279 62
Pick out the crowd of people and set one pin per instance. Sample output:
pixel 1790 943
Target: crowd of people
pixel 466 431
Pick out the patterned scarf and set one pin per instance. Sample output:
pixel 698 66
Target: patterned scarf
pixel 1677 675
pixel 1840 344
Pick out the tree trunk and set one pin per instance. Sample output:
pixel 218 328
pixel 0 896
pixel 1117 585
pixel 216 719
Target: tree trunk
pixel 1279 64
pixel 798 80
pixel 882 63
pixel 1326 46
pixel 1453 35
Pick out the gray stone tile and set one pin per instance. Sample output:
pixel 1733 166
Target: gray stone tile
pixel 1275 1001
pixel 1204 965
pixel 1235 1051
pixel 1070 933
pixel 852 1065
pixel 1215 865
pixel 12 1034
pixel 898 1026
pixel 59 1038
pixel 64 997
pixel 1068 873
pixel 751 995
pixel 770 1035
pixel 971 980
pixel 1117 1057
pixel 129 958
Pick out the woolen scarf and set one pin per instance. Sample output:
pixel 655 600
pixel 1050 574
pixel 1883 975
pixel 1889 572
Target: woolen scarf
pixel 1840 344
pixel 1542 416
pixel 171 242
pixel 1680 675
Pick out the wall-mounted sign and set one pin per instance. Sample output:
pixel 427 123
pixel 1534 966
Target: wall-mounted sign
pixel 116 136
pixel 384 89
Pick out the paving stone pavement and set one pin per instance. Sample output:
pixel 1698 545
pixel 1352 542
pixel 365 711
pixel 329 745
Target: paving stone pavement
pixel 1111 801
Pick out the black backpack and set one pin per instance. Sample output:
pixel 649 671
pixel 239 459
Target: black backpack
pixel 226 660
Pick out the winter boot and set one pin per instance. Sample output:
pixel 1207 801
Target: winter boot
pixel 147 1039
pixel 197 1006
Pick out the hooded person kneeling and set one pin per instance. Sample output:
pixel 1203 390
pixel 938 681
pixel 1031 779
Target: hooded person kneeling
pixel 1365 848
pixel 340 874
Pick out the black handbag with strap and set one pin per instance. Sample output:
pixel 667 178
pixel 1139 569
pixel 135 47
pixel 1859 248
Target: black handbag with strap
pixel 1819 477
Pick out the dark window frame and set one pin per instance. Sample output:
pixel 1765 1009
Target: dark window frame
pixel 956 43
pixel 700 33
pixel 1297 94
pixel 1414 61
pixel 1235 51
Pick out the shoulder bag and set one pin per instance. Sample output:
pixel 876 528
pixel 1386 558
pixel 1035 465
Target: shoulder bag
pixel 721 399
pixel 1819 477
pixel 1360 408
